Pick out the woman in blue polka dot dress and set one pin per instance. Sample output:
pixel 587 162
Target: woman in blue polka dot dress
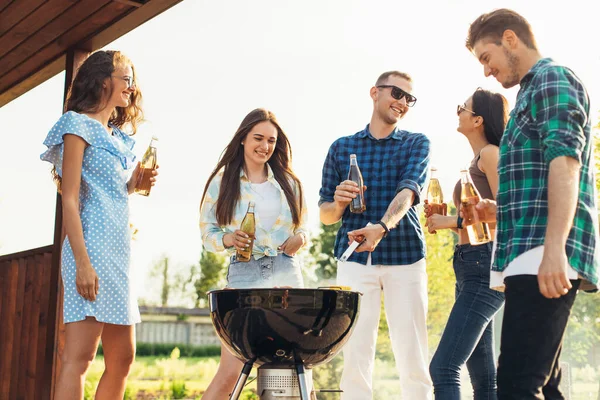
pixel 93 159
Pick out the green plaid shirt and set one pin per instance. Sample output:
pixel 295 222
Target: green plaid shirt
pixel 550 119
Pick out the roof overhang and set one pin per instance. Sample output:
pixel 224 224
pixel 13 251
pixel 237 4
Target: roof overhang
pixel 35 35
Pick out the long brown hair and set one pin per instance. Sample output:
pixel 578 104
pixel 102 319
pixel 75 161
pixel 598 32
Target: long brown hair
pixel 232 160
pixel 86 92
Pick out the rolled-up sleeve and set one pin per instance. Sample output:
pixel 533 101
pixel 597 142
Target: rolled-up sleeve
pixel 330 177
pixel 212 233
pixel 415 174
pixel 559 107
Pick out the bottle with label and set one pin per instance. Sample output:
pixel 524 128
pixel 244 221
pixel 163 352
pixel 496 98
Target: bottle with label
pixel 435 197
pixel 248 227
pixel 478 231
pixel 148 164
pixel 357 205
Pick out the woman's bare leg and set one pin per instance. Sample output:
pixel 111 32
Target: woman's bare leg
pixel 81 344
pixel 118 345
pixel 227 374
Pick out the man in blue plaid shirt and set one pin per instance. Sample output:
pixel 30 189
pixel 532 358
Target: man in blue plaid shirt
pixel 547 224
pixel 391 260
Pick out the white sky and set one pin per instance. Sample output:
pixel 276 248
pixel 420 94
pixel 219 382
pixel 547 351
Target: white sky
pixel 203 65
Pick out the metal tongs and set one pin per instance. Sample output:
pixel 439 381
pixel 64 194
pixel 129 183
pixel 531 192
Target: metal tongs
pixel 351 249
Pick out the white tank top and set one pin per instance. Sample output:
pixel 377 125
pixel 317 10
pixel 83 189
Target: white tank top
pixel 268 203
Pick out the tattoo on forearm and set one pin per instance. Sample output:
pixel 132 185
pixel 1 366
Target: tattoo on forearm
pixel 397 209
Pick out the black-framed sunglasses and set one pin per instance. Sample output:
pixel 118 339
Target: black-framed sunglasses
pixel 399 94
pixel 128 79
pixel 460 108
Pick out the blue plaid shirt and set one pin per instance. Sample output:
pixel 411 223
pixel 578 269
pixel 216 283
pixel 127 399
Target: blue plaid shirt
pixel 388 165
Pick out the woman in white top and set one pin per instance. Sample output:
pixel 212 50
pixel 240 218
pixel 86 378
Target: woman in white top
pixel 254 167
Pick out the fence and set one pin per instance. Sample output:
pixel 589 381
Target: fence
pixel 27 324
pixel 192 332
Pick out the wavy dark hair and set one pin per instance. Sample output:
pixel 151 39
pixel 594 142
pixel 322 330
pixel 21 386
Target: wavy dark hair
pixel 493 108
pixel 232 160
pixel 87 94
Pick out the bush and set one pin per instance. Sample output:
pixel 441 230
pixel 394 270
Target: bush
pixel 165 349
pixel 178 390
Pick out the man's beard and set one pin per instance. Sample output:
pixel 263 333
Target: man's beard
pixel 513 62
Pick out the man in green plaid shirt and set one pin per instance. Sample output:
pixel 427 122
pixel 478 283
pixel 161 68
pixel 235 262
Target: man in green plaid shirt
pixel 547 223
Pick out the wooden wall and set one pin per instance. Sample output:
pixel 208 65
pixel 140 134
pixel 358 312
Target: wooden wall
pixel 27 324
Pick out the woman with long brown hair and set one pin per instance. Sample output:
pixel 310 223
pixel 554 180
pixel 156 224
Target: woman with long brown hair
pixel 254 167
pixel 92 158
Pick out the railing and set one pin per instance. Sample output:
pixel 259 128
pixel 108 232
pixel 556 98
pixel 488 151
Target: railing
pixel 27 324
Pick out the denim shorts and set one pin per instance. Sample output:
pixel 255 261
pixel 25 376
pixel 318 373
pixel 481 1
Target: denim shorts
pixel 265 272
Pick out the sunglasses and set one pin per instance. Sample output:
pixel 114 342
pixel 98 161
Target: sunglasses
pixel 400 94
pixel 460 108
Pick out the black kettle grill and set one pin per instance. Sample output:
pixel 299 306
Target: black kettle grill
pixel 283 329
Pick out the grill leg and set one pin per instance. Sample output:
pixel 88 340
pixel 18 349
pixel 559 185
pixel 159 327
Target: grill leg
pixel 304 395
pixel 239 385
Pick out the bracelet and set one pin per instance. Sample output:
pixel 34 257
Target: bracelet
pixel 459 222
pixel 384 227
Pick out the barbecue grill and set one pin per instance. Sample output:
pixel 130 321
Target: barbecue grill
pixel 285 331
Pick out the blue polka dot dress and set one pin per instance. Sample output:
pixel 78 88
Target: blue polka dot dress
pixel 104 211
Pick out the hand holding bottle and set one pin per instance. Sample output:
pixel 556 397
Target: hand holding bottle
pixel 136 177
pixel 435 197
pixel 147 170
pixel 345 192
pixel 473 217
pixel 238 239
pixel 248 228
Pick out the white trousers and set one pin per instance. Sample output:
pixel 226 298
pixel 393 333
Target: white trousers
pixel 405 296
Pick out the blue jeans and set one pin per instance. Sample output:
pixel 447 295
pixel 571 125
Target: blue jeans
pixel 265 272
pixel 468 336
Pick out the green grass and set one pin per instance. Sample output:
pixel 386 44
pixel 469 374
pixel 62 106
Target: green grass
pixel 172 377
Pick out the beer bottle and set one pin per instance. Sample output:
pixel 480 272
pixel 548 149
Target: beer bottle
pixel 248 227
pixel 148 164
pixel 357 205
pixel 478 231
pixel 435 197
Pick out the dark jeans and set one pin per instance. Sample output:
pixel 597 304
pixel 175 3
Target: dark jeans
pixel 468 336
pixel 532 333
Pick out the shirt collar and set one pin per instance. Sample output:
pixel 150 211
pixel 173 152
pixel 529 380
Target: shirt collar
pixel 270 176
pixel 366 133
pixel 534 70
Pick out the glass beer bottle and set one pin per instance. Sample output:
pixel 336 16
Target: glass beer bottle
pixel 248 227
pixel 435 197
pixel 478 231
pixel 148 164
pixel 357 205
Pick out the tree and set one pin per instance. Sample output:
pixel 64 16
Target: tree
pixel 208 274
pixel 441 279
pixel 160 270
pixel 322 251
pixel 582 338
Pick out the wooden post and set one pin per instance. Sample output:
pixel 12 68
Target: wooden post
pixel 56 331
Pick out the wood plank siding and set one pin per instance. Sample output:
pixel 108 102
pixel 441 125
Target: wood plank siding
pixel 25 288
pixel 35 35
